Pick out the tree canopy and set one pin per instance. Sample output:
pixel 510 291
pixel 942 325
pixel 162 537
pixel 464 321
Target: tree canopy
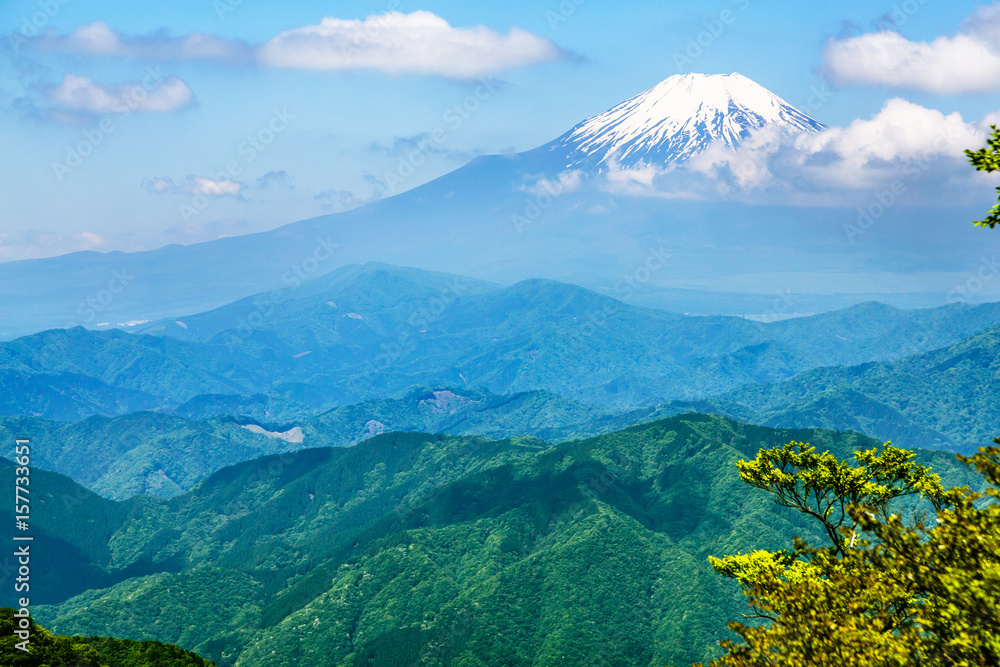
pixel 988 159
pixel 893 585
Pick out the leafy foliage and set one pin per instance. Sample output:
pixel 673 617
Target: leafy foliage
pixel 904 593
pixel 49 650
pixel 988 159
pixel 825 488
pixel 450 548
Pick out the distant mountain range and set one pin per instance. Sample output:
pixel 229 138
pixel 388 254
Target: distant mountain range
pixel 373 331
pixel 374 349
pixel 547 213
pixel 945 399
pixel 948 398
pixel 148 453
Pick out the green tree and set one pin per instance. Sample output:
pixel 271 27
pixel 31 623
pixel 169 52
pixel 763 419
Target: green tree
pixel 49 650
pixel 46 649
pixel 988 160
pixel 886 590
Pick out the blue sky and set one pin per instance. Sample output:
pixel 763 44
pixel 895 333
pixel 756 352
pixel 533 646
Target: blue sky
pixel 335 129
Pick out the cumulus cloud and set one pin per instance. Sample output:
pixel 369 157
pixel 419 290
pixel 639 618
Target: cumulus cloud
pixel 335 200
pixel 275 179
pixel 898 137
pixel 903 142
pixel 424 143
pixel 417 43
pixel 564 183
pixel 968 62
pixel 82 94
pixel 99 39
pixel 195 185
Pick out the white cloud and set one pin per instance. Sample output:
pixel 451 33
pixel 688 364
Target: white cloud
pixel 902 135
pixel 80 93
pixel 968 62
pixel 919 147
pixel 417 43
pixel 564 183
pixel 195 185
pixel 98 39
pixel 206 186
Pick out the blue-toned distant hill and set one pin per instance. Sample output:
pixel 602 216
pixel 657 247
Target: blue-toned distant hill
pixel 549 213
pixel 410 545
pixel 338 364
pixel 373 331
pixel 948 398
pixel 163 455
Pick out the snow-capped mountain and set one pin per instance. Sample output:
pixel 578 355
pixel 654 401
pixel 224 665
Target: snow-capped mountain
pixel 492 219
pixel 675 120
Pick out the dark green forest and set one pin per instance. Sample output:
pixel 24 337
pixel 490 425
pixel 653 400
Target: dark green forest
pixel 468 549
pixel 49 650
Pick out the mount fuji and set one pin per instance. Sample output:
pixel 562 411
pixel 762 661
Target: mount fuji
pixel 675 120
pixel 725 256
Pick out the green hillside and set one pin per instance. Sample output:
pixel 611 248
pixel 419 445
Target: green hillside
pixel 944 399
pixel 948 398
pixel 439 548
pixel 161 455
pixel 141 453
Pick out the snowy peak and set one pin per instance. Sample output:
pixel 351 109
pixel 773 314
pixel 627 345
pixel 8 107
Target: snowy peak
pixel 677 119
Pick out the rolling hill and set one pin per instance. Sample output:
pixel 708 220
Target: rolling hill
pixel 163 455
pixel 947 398
pixel 450 548
pixel 374 331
